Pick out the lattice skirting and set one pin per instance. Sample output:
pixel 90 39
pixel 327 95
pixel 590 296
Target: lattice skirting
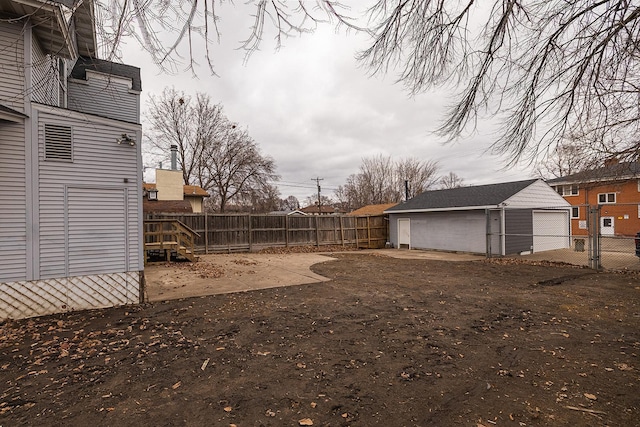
pixel 19 300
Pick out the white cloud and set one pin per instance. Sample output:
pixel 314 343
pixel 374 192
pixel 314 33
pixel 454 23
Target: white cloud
pixel 317 113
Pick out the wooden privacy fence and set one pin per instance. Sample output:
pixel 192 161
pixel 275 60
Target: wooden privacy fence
pixel 243 232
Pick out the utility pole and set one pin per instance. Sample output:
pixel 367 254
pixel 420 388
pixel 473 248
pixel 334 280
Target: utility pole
pixel 317 180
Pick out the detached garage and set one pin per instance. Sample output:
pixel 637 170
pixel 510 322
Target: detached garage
pixel 496 219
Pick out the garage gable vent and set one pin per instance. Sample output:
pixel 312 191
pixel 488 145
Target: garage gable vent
pixel 57 142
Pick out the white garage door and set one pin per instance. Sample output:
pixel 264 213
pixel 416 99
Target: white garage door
pixel 550 230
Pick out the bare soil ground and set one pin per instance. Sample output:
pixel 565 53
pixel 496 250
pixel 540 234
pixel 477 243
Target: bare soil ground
pixel 389 342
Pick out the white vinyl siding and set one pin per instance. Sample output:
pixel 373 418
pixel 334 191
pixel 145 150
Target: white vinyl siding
pixel 116 99
pixel 13 225
pixel 99 163
pixel 537 195
pixel 12 66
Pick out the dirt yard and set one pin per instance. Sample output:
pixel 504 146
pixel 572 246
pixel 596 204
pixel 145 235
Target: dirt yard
pixel 388 342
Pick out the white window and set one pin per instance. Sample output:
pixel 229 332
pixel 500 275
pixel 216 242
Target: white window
pixel 567 190
pixel 575 212
pixel 606 198
pixel 638 211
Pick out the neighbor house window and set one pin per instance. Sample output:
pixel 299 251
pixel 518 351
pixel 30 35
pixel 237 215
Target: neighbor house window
pixel 567 190
pixel 575 212
pixel 606 198
pixel 58 143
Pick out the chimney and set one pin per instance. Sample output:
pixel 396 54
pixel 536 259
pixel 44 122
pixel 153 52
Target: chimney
pixel 174 157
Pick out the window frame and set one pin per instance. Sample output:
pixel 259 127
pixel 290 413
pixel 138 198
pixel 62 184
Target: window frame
pixel 567 190
pixel 577 210
pixel 606 196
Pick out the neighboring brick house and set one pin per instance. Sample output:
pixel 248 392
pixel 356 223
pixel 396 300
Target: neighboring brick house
pixel 614 187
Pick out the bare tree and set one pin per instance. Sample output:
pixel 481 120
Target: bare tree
pixel 451 180
pixel 382 180
pixel 213 152
pixel 291 203
pixel 566 159
pixel 415 174
pixel 550 69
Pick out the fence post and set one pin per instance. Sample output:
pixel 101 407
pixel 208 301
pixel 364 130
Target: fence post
pixel 594 237
pixel 206 233
pixel 317 232
pixel 286 231
pixel 249 233
pixel 487 214
pixel 341 231
pixel 356 218
pixel 368 233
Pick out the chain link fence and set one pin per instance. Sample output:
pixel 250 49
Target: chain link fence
pixel 603 236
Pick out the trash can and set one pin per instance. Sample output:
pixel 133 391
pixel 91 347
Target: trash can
pixel 638 244
pixel 578 245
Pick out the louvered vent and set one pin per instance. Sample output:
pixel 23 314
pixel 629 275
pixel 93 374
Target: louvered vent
pixel 57 143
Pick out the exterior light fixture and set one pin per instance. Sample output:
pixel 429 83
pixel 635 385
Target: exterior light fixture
pixel 126 139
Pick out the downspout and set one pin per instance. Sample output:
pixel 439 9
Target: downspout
pixel 503 236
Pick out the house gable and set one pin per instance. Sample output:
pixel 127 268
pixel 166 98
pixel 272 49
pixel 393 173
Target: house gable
pixel 533 195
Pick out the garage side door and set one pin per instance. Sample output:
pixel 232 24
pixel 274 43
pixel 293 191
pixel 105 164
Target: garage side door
pixel 404 233
pixel 97 224
pixel 550 230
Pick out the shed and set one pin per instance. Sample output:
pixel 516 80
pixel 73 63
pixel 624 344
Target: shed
pixel 497 219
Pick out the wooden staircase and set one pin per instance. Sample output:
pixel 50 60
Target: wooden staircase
pixel 169 237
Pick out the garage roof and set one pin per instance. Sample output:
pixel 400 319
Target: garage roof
pixel 463 197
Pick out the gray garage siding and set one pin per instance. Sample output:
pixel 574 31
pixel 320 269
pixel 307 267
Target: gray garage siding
pixel 463 231
pixel 518 230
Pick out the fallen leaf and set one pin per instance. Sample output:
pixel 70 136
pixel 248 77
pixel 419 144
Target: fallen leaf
pixel 176 385
pixel 228 409
pixel 314 404
pixel 590 396
pixel 306 422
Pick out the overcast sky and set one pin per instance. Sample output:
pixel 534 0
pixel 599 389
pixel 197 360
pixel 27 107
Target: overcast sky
pixel 313 109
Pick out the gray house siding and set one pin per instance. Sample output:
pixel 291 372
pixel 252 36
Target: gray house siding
pixel 13 225
pixel 12 65
pixel 518 230
pixel 44 77
pixel 117 101
pixel 93 199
